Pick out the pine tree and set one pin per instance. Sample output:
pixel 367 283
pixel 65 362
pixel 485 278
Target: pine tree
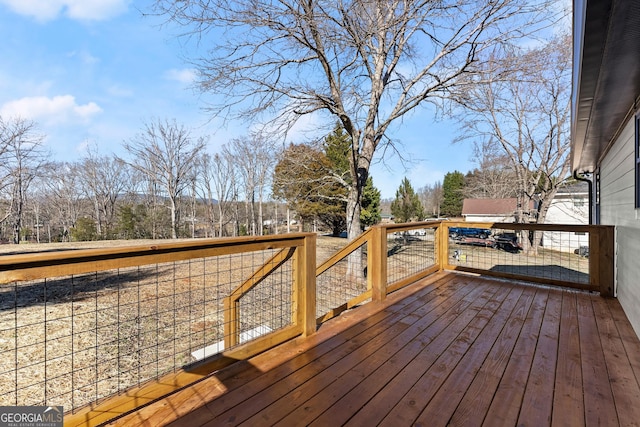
pixel 371 212
pixel 453 194
pixel 406 206
pixel 314 180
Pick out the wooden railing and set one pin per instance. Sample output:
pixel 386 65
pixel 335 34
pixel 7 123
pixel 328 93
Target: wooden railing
pixel 89 324
pixel 381 260
pixel 554 262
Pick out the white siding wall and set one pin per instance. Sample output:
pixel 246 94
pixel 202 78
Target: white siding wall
pixel 617 208
pixel 567 209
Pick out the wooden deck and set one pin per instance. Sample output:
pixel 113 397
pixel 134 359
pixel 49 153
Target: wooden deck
pixel 451 350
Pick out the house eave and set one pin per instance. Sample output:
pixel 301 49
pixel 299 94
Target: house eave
pixel 606 75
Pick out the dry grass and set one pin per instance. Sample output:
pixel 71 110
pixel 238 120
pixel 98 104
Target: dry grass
pixel 547 264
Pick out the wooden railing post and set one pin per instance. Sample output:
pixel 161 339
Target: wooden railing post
pixel 305 286
pixel 601 259
pixel 377 264
pixel 442 246
pixel 231 324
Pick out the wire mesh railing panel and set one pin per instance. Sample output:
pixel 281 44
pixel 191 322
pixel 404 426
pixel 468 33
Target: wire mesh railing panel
pixel 269 305
pixel 74 340
pixel 345 280
pixel 551 255
pixel 410 252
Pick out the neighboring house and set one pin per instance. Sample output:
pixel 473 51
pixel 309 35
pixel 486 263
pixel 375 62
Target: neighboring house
pixel 569 206
pixel 490 210
pixel 386 219
pixel 606 126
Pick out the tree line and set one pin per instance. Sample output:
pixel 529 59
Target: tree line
pixel 168 186
pixel 496 67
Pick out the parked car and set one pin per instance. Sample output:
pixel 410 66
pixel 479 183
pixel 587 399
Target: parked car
pixel 507 242
pixel 417 232
pixel 459 232
pixel 582 251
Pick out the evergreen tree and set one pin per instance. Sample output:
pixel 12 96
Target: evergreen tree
pixel 337 148
pixel 406 206
pixel 300 179
pixel 314 181
pixel 453 194
pixel 371 212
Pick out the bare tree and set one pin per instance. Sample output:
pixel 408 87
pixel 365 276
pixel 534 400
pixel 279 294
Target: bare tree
pixel 525 114
pixel 106 179
pixel 22 156
pixel 431 198
pixel 254 160
pixel 365 63
pixel 64 195
pixel 218 183
pixel 165 153
pixel 494 176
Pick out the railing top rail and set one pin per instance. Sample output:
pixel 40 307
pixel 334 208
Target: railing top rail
pixel 75 261
pixel 524 226
pixel 410 225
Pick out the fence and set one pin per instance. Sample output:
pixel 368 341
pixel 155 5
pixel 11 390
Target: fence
pixel 79 327
pixel 575 256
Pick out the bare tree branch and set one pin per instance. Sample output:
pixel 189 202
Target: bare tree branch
pixel 365 62
pixel 166 153
pixel 523 112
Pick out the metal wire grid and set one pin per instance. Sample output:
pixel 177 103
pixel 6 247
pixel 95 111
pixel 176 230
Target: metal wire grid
pixel 342 282
pixel 269 305
pixel 409 253
pixel 74 340
pixel 562 256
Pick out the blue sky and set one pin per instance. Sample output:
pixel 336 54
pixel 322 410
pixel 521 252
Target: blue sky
pixel 92 72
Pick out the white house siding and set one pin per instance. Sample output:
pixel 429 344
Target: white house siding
pixel 567 209
pixel 617 208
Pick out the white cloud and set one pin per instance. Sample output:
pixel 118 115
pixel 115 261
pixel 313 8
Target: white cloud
pixel 57 109
pixel 84 56
pixel 84 10
pixel 119 91
pixel 185 75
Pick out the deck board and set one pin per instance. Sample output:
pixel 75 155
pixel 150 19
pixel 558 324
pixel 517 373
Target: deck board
pixel 568 393
pixel 452 349
pixel 472 408
pixel 537 401
pixel 624 384
pixel 507 400
pixel 470 344
pixel 598 397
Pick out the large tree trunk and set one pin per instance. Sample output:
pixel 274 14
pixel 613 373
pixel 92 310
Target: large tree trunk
pixel 353 213
pixel 360 172
pixel 174 234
